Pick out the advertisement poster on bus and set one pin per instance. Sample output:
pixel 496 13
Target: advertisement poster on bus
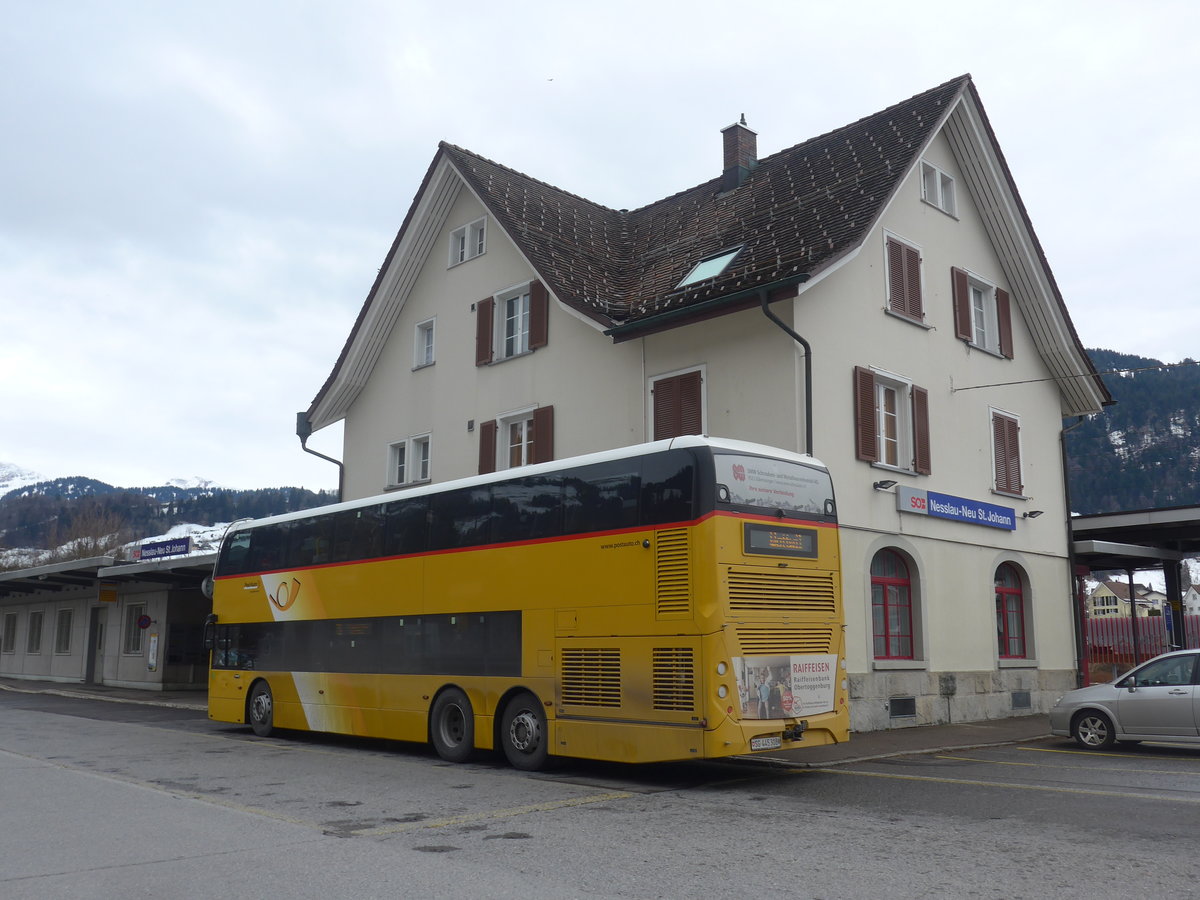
pixel 777 687
pixel 773 483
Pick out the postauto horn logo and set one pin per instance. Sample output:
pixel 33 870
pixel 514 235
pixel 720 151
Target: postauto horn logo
pixel 285 595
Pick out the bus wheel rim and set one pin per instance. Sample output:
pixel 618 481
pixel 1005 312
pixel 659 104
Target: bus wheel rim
pixel 525 732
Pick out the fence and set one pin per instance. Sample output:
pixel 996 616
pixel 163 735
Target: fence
pixel 1111 649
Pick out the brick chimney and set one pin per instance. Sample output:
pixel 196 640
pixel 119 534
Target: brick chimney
pixel 741 154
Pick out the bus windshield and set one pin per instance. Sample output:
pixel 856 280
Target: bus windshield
pixel 774 484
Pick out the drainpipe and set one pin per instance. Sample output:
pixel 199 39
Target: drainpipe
pixel 304 431
pixel 1082 677
pixel 808 385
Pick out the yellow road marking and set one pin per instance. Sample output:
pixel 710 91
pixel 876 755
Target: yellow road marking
pixel 488 815
pixel 1003 784
pixel 1000 762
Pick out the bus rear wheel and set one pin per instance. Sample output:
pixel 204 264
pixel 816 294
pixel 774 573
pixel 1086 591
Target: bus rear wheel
pixel 260 709
pixel 523 733
pixel 452 726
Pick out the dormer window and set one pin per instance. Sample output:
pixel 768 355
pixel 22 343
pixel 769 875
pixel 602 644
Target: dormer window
pixel 937 188
pixel 710 267
pixel 468 242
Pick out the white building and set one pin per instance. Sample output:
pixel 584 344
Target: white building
pixel 921 349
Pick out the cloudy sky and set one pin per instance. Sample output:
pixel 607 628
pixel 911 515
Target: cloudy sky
pixel 195 196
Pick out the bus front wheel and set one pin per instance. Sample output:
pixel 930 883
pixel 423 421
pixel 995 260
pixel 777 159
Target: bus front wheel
pixel 523 733
pixel 260 709
pixel 452 726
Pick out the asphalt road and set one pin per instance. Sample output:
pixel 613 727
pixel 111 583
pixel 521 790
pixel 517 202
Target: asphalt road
pixel 101 800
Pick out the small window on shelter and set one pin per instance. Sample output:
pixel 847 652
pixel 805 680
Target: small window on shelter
pixel 710 267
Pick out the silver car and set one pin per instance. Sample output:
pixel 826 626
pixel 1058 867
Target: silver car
pixel 1157 701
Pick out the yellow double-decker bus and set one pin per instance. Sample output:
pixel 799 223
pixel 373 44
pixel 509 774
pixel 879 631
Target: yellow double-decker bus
pixel 673 600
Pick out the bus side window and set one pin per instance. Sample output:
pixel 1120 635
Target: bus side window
pixel 235 554
pixel 269 547
pixel 358 534
pixel 406 526
pixel 461 518
pixel 668 487
pixel 526 509
pixel 601 497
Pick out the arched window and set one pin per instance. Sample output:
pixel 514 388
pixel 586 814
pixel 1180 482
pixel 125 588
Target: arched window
pixel 1010 612
pixel 891 606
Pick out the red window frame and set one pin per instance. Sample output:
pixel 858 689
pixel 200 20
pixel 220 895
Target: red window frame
pixel 891 606
pixel 1010 612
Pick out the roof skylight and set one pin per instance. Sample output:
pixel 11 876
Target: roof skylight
pixel 709 268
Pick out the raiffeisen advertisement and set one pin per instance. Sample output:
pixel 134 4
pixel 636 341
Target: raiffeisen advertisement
pixel 777 687
pixel 756 481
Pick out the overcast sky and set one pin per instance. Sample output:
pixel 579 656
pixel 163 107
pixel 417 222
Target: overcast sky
pixel 195 197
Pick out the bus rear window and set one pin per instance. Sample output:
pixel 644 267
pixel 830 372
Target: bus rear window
pixel 773 484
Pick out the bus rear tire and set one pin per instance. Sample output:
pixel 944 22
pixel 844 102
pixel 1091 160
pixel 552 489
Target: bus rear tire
pixel 260 709
pixel 452 726
pixel 523 733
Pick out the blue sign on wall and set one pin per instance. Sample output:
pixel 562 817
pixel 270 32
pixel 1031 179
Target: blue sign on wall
pixel 960 509
pixel 159 549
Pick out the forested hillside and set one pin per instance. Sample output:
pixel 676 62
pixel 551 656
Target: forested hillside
pixel 1144 451
pixel 52 513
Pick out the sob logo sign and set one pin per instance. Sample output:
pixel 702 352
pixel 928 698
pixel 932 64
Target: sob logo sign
pixel 739 472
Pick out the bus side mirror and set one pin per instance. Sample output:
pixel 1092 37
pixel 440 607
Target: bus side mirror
pixel 210 631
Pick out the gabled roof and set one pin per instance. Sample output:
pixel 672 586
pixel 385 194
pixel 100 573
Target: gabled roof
pixel 799 210
pixel 798 213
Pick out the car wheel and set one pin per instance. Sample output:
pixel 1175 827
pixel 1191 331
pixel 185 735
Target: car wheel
pixel 260 709
pixel 452 726
pixel 1093 730
pixel 523 733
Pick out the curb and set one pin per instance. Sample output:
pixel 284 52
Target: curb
pixel 84 695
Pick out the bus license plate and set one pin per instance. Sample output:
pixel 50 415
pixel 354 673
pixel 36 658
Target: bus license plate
pixel 766 743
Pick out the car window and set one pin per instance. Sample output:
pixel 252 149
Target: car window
pixel 1173 670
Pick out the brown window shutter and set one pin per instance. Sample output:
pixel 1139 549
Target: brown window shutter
pixel 866 442
pixel 920 418
pixel 1006 436
pixel 895 265
pixel 487 447
pixel 961 291
pixel 912 283
pixel 904 280
pixel 678 405
pixel 539 315
pixel 483 331
pixel 543 435
pixel 1004 318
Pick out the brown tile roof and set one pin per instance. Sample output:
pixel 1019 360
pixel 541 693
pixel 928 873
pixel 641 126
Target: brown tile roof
pixel 796 213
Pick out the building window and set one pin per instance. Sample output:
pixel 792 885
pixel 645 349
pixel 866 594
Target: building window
pixel 1006 453
pixel 511 323
pixel 8 643
pixel 468 242
pixel 891 421
pixel 62 631
pixel 132 639
pixel 982 314
pixel 33 642
pixel 518 439
pixel 937 188
pixel 1010 612
pixel 423 345
pixel 710 267
pixel 409 461
pixel 904 280
pixel 677 404
pixel 891 606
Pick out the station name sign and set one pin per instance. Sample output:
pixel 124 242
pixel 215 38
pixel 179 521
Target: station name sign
pixel 960 509
pixel 159 549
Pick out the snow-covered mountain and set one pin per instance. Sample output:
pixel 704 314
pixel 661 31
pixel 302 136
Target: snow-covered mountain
pixel 13 477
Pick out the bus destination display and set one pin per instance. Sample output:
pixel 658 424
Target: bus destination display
pixel 774 540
